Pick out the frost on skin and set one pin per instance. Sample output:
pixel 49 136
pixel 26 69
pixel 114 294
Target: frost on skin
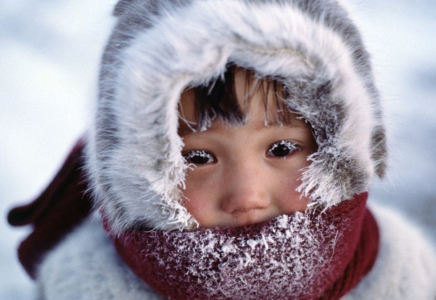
pixel 288 257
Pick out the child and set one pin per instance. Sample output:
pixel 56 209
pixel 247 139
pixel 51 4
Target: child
pixel 232 151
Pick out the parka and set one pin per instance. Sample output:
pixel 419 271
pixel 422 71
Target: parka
pixel 127 173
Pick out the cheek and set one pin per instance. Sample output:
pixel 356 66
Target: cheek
pixel 288 200
pixel 199 196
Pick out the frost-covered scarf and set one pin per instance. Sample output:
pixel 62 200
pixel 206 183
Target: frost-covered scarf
pixel 312 255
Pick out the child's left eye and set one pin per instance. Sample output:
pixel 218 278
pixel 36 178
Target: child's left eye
pixel 282 149
pixel 199 157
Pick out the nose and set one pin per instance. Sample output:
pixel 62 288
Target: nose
pixel 246 190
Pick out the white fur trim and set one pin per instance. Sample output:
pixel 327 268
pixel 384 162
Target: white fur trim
pixel 85 266
pixel 145 170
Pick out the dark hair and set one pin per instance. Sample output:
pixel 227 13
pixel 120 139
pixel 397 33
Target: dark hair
pixel 218 99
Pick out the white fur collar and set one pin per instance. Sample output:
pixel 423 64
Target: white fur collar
pixel 85 266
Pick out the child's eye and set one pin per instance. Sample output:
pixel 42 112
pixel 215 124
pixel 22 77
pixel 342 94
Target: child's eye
pixel 282 149
pixel 199 157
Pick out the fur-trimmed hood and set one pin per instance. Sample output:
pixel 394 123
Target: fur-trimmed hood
pixel 160 47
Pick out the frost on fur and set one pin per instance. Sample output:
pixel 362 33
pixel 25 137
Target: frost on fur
pixel 136 164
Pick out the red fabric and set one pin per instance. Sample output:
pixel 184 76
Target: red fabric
pixel 158 259
pixel 362 262
pixel 62 206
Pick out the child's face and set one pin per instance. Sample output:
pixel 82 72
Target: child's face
pixel 244 174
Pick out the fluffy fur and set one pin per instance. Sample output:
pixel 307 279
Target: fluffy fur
pixel 134 153
pixel 86 266
pixel 404 270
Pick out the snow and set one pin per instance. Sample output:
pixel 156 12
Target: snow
pixel 48 56
pixel 401 39
pixel 48 68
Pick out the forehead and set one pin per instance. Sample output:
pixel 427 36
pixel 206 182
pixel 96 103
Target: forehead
pixel 259 114
pixel 242 96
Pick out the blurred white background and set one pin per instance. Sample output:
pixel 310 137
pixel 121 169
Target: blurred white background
pixel 49 55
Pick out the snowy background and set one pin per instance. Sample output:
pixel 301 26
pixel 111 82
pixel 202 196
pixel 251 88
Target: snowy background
pixel 49 53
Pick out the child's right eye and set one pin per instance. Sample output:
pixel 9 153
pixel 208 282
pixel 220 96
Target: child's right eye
pixel 282 149
pixel 199 157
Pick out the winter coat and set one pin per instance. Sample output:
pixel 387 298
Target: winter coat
pixel 133 159
pixel 85 266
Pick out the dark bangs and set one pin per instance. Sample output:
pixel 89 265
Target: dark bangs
pixel 219 100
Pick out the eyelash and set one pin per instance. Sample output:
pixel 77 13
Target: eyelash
pixel 286 146
pixel 202 157
pixel 199 154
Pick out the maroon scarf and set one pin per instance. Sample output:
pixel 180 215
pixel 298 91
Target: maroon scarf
pixel 56 212
pixel 317 255
pixel 64 204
